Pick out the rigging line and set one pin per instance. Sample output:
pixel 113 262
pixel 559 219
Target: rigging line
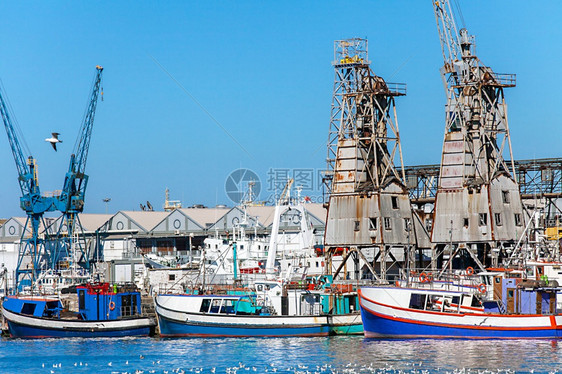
pixel 459 13
pixel 400 67
pixel 87 108
pixel 16 125
pixel 200 105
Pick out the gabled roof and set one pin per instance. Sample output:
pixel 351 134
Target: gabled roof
pixel 205 217
pixel 145 219
pixel 317 210
pixel 264 214
pixel 92 222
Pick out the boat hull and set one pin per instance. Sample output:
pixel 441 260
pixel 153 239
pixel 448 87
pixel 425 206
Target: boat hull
pixel 22 326
pixel 346 324
pixel 177 323
pixel 382 319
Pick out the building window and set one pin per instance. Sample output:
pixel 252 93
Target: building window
pixel 373 223
pixel 498 218
pixel 428 224
pixel 518 221
pixel 394 202
pixel 483 219
pixel 356 226
pixel 465 223
pixel 387 225
pixel 407 224
pixel 505 197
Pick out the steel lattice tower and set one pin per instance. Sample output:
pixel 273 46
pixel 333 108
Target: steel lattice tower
pixel 369 205
pixel 478 207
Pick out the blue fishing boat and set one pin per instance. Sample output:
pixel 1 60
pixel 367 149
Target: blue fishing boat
pixel 103 311
pixel 520 309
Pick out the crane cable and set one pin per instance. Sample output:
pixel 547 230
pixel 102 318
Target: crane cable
pixel 15 123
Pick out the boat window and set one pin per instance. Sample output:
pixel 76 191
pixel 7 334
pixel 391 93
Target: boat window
pixel 455 300
pixel 28 308
pixel 52 304
pixel 128 305
pixel 228 306
pixel 435 302
pixel 476 302
pixel 215 306
pixel 82 299
pixel 417 301
pixel 205 305
pixel 171 277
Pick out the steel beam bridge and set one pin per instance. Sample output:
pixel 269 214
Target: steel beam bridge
pixel 540 178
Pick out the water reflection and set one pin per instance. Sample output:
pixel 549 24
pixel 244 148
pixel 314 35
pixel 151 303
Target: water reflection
pixel 289 355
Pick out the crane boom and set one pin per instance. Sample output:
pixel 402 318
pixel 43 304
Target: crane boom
pixel 23 164
pixel 71 200
pixel 76 180
pixel 448 34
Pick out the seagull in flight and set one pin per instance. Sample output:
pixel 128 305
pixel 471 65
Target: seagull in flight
pixel 54 140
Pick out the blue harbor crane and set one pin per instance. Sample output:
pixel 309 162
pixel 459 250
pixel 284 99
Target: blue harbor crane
pixel 40 252
pixel 71 200
pixel 32 202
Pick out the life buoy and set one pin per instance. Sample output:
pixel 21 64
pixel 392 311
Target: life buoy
pixel 111 305
pixel 481 288
pixel 424 278
pixel 469 270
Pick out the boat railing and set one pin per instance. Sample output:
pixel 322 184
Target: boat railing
pixel 457 280
pixel 311 309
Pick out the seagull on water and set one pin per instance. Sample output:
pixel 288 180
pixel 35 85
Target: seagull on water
pixel 54 140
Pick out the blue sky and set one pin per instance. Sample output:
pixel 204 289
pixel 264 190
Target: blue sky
pixel 261 69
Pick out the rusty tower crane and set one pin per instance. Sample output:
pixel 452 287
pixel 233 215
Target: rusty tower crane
pixel 478 213
pixel 369 208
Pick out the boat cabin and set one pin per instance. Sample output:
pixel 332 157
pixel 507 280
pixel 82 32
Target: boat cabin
pixel 100 302
pixel 439 301
pixel 522 296
pixel 231 304
pixel 33 306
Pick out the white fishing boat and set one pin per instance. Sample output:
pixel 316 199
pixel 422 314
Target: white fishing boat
pixel 520 309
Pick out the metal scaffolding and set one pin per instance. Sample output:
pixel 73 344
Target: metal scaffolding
pixel 368 200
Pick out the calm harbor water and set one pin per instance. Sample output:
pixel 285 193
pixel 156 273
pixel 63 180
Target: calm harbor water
pixel 287 355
